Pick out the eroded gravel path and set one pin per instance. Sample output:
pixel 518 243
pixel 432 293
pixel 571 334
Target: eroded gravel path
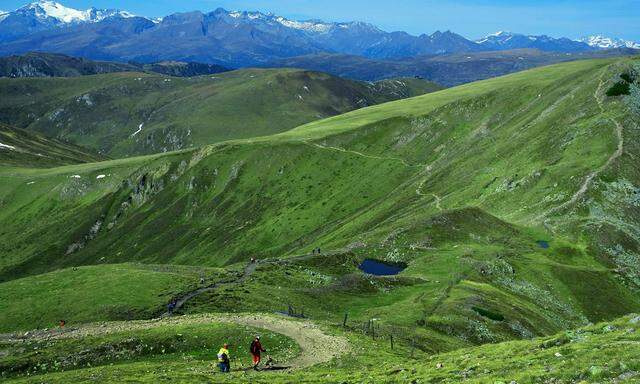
pixel 316 346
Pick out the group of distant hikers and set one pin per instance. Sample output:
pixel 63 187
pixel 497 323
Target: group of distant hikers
pixel 224 359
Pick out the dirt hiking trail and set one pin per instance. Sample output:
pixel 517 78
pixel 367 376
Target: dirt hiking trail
pixel 316 346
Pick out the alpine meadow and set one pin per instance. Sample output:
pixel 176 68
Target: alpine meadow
pixel 205 214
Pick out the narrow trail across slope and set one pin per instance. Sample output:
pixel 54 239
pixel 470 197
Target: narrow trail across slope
pixel 316 346
pixel 248 270
pixel 591 176
pixel 338 149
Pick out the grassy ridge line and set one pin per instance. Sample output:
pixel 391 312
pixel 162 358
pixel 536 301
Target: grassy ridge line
pixel 26 149
pixel 414 106
pixel 421 105
pixel 127 114
pixel 22 171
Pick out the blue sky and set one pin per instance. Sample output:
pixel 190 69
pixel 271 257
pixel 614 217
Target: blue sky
pixel 471 18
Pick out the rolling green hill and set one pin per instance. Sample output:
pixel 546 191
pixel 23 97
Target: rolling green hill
pixel 25 149
pixel 513 203
pixel 130 113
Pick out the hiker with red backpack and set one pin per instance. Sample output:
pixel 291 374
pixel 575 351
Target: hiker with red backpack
pixel 256 349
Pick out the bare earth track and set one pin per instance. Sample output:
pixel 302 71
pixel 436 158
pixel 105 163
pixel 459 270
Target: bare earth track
pixel 316 346
pixel 591 176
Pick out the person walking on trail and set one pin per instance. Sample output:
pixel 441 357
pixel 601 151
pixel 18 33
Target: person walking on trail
pixel 256 349
pixel 171 307
pixel 223 359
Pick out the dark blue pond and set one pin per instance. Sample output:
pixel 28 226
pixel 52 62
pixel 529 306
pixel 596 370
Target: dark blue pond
pixel 543 244
pixel 379 268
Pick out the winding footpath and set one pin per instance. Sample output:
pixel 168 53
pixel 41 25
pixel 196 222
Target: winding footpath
pixel 316 346
pixel 590 177
pixel 248 270
pixel 343 150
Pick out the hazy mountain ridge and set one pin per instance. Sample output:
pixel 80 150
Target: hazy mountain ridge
pixel 38 64
pixel 233 38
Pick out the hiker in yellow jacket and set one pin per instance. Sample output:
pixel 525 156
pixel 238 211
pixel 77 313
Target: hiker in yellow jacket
pixel 223 359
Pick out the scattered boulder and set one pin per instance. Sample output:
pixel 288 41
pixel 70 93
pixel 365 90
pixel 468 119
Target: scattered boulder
pixel 595 370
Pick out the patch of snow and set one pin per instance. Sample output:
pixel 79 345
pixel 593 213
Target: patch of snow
pixel 58 11
pixel 31 183
pixel 6 146
pixel 75 177
pixel 139 130
pixel 101 177
pixel 308 26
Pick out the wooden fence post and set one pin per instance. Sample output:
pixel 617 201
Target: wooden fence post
pixel 391 339
pixel 344 322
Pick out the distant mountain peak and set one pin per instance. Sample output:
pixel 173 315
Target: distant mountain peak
pixel 603 42
pixel 310 26
pixel 47 10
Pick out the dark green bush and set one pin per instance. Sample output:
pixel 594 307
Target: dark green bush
pixel 629 78
pixel 619 88
pixel 488 314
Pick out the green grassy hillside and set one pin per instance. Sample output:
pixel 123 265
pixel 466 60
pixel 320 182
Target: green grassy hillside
pixel 25 149
pixel 104 292
pixel 124 114
pixel 466 186
pixel 184 352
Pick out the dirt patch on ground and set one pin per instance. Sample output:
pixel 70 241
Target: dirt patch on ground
pixel 316 346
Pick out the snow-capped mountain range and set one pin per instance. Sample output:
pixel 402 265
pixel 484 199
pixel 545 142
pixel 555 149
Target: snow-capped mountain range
pixel 599 41
pixel 48 10
pixel 237 39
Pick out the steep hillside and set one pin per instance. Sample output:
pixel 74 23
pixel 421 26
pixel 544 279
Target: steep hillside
pixel 25 149
pixel 512 202
pixel 124 114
